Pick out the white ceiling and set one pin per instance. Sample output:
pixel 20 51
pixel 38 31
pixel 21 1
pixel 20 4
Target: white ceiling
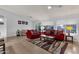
pixel 41 12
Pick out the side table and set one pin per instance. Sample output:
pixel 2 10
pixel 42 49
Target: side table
pixel 70 37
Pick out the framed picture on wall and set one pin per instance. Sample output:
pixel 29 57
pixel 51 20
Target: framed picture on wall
pixel 19 22
pixel 22 22
pixel 26 22
pixel 71 28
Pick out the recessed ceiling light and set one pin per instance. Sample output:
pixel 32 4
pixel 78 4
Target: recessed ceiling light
pixel 49 7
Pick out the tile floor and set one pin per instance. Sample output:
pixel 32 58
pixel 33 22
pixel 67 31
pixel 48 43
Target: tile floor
pixel 20 45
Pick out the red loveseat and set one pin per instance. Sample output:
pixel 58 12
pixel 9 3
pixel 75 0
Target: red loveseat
pixel 33 34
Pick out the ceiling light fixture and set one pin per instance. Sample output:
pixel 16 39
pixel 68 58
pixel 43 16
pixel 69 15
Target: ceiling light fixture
pixel 54 6
pixel 49 7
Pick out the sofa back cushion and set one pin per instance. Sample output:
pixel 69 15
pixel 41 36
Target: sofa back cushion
pixel 52 32
pixel 59 32
pixel 48 32
pixel 32 32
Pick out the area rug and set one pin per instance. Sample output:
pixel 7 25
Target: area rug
pixel 57 47
pixel 63 48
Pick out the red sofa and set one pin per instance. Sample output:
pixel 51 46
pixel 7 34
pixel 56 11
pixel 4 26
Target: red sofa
pixel 59 35
pixel 33 34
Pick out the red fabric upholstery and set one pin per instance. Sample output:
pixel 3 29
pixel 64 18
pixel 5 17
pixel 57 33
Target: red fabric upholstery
pixel 33 34
pixel 59 35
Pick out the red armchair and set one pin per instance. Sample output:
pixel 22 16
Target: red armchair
pixel 60 35
pixel 33 34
